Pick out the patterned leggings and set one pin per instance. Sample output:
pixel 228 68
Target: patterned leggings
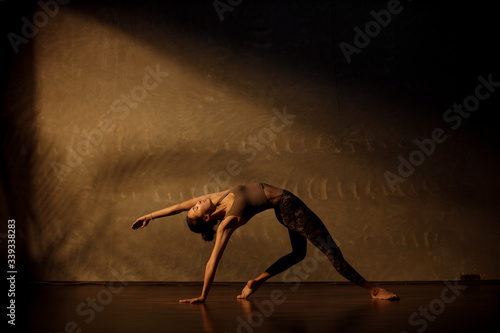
pixel 304 225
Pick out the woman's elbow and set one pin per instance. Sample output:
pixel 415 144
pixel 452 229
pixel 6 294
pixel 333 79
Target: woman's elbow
pixel 211 264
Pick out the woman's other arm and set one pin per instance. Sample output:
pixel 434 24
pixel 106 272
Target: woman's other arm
pixel 143 221
pixel 224 232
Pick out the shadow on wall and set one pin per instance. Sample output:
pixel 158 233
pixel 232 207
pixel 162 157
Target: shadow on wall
pixel 18 138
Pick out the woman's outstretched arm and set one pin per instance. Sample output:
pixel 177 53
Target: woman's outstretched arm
pixel 224 232
pixel 143 221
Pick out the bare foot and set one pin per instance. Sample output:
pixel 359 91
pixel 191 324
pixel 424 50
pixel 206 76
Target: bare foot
pixel 380 293
pixel 249 289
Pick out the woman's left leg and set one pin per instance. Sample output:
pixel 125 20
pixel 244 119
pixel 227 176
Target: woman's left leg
pixel 299 250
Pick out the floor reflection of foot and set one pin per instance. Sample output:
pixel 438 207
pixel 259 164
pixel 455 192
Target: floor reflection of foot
pixel 246 306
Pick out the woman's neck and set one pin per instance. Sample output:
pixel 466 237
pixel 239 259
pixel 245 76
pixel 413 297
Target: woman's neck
pixel 222 208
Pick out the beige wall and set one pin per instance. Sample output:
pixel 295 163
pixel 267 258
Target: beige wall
pixel 162 147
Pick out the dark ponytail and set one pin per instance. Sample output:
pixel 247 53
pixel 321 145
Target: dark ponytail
pixel 206 229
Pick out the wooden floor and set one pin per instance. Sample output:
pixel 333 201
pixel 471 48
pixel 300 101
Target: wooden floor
pixel 313 307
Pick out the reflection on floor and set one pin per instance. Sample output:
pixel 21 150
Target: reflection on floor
pixel 311 307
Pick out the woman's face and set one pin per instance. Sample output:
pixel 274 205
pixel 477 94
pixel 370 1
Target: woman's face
pixel 201 208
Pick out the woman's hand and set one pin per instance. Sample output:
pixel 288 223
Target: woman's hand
pixel 142 221
pixel 193 300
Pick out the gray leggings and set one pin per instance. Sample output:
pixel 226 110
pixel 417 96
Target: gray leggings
pixel 304 225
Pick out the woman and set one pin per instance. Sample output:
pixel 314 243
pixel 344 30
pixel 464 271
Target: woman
pixel 235 207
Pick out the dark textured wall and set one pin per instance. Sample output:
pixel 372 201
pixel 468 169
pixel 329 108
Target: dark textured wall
pixel 113 110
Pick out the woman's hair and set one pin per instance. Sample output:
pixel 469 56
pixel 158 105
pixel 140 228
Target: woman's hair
pixel 206 229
